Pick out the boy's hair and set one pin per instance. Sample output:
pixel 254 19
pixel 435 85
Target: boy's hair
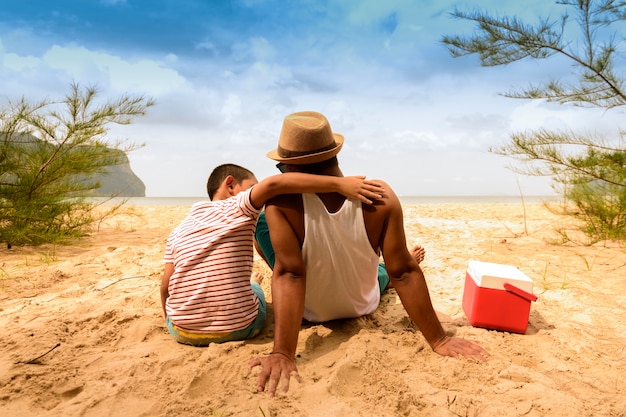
pixel 220 173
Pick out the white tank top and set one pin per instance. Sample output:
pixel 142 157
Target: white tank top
pixel 341 266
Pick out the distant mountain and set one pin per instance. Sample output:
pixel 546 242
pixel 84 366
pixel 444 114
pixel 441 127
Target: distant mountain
pixel 115 180
pixel 120 180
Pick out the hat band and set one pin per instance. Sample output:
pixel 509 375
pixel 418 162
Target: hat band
pixel 286 153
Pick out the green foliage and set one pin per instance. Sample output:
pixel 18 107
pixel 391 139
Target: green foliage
pixel 590 171
pixel 502 41
pixel 50 153
pixel 602 207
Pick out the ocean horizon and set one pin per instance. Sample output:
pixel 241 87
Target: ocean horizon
pixel 405 200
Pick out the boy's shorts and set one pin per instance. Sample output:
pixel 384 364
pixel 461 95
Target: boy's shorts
pixel 204 339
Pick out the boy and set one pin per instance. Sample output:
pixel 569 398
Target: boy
pixel 206 290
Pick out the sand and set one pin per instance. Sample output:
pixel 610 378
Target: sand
pixel 96 305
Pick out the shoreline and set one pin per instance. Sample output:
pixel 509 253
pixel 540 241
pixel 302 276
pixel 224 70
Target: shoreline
pixel 405 200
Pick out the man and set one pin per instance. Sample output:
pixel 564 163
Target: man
pixel 330 272
pixel 206 293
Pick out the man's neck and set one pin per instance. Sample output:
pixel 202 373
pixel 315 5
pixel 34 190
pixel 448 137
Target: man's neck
pixel 333 172
pixel 332 201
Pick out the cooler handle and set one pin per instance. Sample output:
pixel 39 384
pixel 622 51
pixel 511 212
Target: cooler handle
pixel 520 292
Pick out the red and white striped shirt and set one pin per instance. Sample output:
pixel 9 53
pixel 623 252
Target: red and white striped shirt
pixel 212 253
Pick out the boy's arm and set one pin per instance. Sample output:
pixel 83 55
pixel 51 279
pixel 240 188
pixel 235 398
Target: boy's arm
pixel 298 183
pixel 165 282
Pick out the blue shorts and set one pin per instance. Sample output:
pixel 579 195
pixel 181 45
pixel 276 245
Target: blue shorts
pixel 204 339
pixel 262 236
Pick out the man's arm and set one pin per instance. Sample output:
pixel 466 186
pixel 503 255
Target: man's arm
pixel 288 290
pixel 165 282
pixel 410 284
pixel 298 183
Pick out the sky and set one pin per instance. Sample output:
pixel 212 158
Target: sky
pixel 225 73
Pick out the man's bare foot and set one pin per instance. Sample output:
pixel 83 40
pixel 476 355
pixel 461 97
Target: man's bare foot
pixel 418 253
pixel 257 277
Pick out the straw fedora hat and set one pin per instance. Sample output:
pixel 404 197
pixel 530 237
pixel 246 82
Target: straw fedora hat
pixel 306 138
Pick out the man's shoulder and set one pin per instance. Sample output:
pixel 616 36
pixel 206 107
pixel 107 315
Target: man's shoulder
pixel 385 206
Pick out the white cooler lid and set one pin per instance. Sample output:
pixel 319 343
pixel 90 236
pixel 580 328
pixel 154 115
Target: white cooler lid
pixel 492 275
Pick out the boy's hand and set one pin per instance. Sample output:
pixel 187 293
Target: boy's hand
pixel 358 187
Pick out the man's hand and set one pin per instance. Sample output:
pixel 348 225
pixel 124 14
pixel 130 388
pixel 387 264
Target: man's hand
pixel 456 347
pixel 276 367
pixel 361 189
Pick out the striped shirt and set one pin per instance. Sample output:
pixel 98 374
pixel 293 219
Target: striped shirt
pixel 212 253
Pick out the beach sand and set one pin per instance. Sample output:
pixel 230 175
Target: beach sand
pixel 98 302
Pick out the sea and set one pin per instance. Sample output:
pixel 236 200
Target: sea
pixel 407 200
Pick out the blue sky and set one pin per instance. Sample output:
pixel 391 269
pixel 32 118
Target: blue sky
pixel 225 73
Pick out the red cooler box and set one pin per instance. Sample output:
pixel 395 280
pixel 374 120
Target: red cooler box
pixel 497 296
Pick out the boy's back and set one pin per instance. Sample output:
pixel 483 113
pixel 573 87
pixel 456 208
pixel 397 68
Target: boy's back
pixel 212 250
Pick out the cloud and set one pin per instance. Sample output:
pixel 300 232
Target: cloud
pixel 19 63
pixel 142 75
pixel 537 114
pixel 262 50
